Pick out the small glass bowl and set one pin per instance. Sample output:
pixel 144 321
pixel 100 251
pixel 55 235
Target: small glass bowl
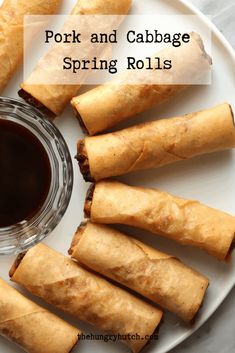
pixel 21 236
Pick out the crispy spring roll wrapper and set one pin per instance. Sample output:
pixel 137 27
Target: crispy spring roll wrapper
pixel 11 32
pixel 32 327
pixel 109 104
pixel 63 283
pixel 156 143
pixel 160 277
pixel 52 99
pixel 186 221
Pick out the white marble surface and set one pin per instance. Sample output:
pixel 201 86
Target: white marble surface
pixel 218 334
pixel 222 13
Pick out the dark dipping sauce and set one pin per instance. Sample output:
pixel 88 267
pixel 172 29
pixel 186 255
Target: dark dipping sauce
pixel 25 173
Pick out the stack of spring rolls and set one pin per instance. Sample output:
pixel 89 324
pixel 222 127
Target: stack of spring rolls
pixel 159 277
pixel 85 295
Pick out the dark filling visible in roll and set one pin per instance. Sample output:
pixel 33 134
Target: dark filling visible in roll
pixel 72 350
pixel 193 320
pixel 16 263
pixel 231 109
pixel 229 254
pixel 77 236
pixel 81 122
pixel 155 333
pixel 88 201
pixel 35 103
pixel 83 161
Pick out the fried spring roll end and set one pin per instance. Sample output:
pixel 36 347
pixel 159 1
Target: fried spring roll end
pixel 78 116
pixel 28 98
pixel 77 237
pixel 88 201
pixel 16 264
pixel 83 161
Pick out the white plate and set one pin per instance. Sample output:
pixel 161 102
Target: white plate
pixel 208 178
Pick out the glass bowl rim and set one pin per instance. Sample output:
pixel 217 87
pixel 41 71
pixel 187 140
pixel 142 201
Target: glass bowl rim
pixel 14 232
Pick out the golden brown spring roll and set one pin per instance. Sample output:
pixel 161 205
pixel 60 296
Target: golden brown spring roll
pixel 32 327
pixel 160 277
pixel 109 104
pixel 186 221
pixel 63 283
pixel 11 32
pixel 52 99
pixel 156 143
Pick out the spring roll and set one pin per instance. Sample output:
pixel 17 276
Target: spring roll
pixel 159 277
pixel 32 327
pixel 186 221
pixel 63 283
pixel 52 99
pixel 12 30
pixel 156 143
pixel 109 104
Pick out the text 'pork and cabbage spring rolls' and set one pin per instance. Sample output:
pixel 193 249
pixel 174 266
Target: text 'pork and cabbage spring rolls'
pixel 111 103
pixel 160 277
pixel 186 221
pixel 51 98
pixel 156 143
pixel 63 283
pixel 32 327
pixel 12 14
